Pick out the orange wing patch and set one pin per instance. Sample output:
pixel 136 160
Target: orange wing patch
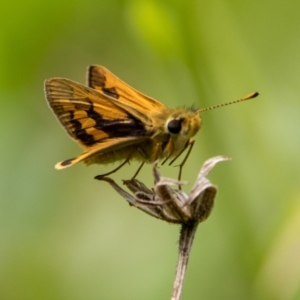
pixel 102 80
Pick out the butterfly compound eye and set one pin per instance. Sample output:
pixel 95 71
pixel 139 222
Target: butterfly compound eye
pixel 174 126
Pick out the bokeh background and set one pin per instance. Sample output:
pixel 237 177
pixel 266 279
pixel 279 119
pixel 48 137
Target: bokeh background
pixel 64 235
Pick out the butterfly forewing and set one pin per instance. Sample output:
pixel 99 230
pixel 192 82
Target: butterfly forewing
pixel 82 111
pixel 93 119
pixel 103 80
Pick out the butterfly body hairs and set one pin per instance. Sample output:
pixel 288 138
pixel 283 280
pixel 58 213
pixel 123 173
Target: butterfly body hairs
pixel 112 121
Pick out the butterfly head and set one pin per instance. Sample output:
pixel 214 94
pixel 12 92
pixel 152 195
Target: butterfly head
pixel 184 123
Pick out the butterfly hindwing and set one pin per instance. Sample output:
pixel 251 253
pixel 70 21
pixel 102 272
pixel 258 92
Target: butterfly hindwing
pixel 109 151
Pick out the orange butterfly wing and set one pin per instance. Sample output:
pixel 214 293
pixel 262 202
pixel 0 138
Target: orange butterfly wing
pixel 102 80
pixel 98 122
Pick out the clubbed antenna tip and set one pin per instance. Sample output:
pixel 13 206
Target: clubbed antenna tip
pixel 248 97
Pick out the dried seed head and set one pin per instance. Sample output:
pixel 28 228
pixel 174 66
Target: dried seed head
pixel 173 205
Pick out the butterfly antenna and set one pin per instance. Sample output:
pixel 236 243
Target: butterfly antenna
pixel 248 97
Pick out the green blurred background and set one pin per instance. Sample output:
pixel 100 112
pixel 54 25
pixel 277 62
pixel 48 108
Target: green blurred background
pixel 65 235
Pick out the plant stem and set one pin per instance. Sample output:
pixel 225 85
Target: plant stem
pixel 187 235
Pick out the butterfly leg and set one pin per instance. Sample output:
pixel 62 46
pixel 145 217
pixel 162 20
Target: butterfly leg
pixel 145 158
pixel 119 167
pixel 138 170
pixel 189 145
